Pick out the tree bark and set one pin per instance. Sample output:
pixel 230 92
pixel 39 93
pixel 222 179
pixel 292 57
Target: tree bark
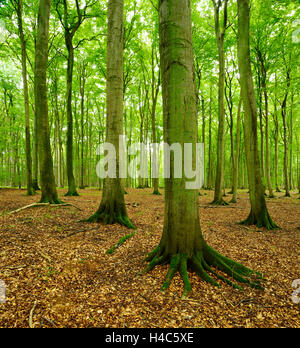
pixel 266 172
pixel 49 193
pixel 237 154
pixel 220 36
pixel 259 214
pixel 30 189
pixel 182 243
pixel 285 135
pixel 155 92
pixel 112 208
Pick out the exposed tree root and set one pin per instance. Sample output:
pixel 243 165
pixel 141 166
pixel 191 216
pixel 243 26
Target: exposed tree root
pixel 72 194
pixel 120 243
pixel 30 192
pixel 220 202
pixel 156 193
pixel 264 220
pixel 203 263
pixel 109 215
pixel 32 313
pixel 36 205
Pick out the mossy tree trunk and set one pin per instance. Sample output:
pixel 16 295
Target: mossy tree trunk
pixel 182 243
pixel 259 214
pixel 49 193
pixel 112 208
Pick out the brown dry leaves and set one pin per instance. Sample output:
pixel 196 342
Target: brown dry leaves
pixel 74 283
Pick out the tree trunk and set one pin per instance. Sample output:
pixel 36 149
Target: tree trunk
pixel 237 154
pixel 70 175
pixel 155 91
pixel 276 136
pixel 210 169
pixel 291 178
pixel 264 87
pixel 285 136
pixel 82 95
pixel 49 193
pixel 259 214
pixel 30 189
pixel 220 36
pixel 112 208
pixel 182 243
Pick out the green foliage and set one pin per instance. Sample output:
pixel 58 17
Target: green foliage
pixel 273 26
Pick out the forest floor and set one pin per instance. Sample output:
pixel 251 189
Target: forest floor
pixel 57 272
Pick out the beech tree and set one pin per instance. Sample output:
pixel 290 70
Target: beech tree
pixel 49 193
pixel 182 243
pixel 259 214
pixel 220 30
pixel 112 208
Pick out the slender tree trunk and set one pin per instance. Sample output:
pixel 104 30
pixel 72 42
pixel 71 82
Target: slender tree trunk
pixel 276 136
pixel 70 174
pixel 210 169
pixel 49 193
pixel 220 36
pixel 30 189
pixel 237 154
pixel 82 95
pixel 291 178
pixel 267 172
pixel 259 214
pixel 155 91
pixel 285 136
pixel 35 181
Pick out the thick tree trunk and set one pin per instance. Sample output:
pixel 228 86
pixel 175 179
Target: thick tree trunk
pixel 49 193
pixel 259 214
pixel 112 208
pixel 182 243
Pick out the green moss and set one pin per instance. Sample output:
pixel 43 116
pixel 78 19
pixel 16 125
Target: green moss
pixel 156 193
pixel 203 262
pixel 263 220
pixel 120 242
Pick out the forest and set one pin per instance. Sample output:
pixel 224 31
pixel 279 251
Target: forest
pixel 149 164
